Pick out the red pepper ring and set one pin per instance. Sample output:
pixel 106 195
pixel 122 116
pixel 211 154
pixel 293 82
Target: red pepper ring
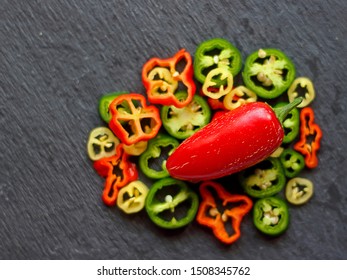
pixel 132 120
pixel 162 90
pixel 209 213
pixel 310 137
pixel 118 170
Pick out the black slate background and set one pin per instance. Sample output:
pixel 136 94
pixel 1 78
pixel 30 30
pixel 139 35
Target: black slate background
pixel 58 57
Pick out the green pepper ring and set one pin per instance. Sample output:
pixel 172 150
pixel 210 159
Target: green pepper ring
pixel 169 124
pixel 104 103
pixel 268 190
pixel 153 151
pixel 154 207
pixel 271 91
pixel 293 162
pixel 209 46
pixel 282 214
pixel 291 123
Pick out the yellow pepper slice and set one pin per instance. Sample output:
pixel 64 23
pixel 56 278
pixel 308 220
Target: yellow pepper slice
pixel 299 190
pixel 101 143
pixel 302 84
pixel 223 74
pixel 239 96
pixel 162 80
pixel 136 149
pixel 277 152
pixel 132 197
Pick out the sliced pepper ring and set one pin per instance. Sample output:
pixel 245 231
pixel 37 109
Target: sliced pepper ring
pixel 277 153
pixel 211 215
pixel 104 104
pixel 216 53
pixel 101 143
pixel 118 171
pixel 131 198
pixel 239 96
pixel 299 190
pixel 136 149
pixel 209 83
pixel 214 104
pixel 156 152
pixel 292 162
pixel 162 82
pixel 271 215
pixel 310 137
pixel 291 123
pixel 132 120
pixel 263 179
pixel 268 72
pixel 184 122
pixel 161 78
pixel 171 204
pixel 302 84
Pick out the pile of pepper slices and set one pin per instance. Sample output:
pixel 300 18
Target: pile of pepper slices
pixel 182 97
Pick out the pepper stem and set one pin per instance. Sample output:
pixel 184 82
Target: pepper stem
pixel 283 111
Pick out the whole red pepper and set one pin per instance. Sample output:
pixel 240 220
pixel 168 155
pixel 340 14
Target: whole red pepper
pixel 230 143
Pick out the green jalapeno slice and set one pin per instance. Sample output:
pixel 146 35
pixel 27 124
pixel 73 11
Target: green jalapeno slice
pixel 271 215
pixel 291 123
pixel 104 104
pixel 263 179
pixel 292 162
pixel 268 72
pixel 216 53
pixel 152 162
pixel 184 122
pixel 299 190
pixel 171 204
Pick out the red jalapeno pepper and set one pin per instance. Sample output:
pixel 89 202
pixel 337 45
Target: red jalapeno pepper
pixel 230 143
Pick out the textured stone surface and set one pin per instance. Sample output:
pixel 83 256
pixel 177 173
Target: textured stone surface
pixel 58 57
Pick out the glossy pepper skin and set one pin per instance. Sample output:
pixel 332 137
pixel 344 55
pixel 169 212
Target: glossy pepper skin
pixel 230 143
